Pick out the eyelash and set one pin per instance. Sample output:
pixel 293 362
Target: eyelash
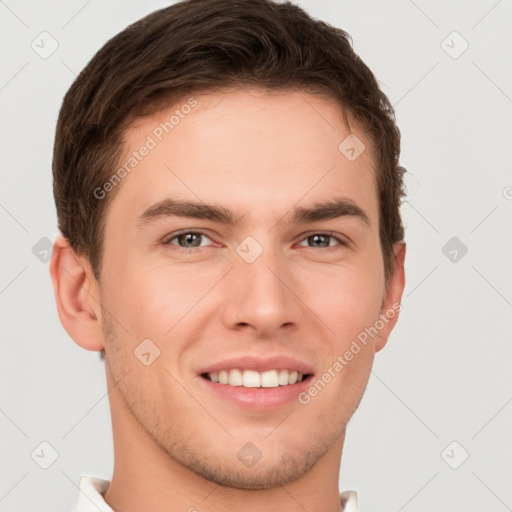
pixel 168 240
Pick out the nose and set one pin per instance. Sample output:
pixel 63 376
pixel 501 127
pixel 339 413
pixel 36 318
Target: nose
pixel 260 296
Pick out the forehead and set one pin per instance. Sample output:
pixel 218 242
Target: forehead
pixel 257 152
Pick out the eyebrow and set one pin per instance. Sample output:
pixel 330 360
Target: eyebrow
pixel 333 209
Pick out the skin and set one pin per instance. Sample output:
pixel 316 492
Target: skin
pixel 259 154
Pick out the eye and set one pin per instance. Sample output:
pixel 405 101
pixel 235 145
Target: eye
pixel 193 239
pixel 323 240
pixel 187 239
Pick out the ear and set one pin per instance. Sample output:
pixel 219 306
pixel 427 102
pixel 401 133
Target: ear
pixel 77 296
pixel 391 303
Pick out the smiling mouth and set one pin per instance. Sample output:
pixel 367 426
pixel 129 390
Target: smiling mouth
pixel 253 379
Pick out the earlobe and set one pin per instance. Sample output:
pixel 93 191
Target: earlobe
pixel 391 304
pixel 77 296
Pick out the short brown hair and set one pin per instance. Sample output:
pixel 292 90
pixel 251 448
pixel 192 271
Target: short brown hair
pixel 200 46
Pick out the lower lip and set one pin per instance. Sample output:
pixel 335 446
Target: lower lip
pixel 258 399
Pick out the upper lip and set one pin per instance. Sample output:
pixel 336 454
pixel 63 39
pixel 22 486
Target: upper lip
pixel 259 364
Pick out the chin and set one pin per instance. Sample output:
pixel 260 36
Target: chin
pixel 260 476
pixel 249 468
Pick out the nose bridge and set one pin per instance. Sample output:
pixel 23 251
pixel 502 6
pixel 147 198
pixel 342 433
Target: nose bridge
pixel 259 289
pixel 257 267
pixel 261 272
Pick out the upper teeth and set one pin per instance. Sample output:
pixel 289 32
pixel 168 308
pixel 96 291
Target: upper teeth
pixel 254 379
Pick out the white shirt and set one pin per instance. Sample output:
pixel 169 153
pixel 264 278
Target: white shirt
pixel 93 488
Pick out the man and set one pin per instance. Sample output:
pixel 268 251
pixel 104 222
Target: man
pixel 227 186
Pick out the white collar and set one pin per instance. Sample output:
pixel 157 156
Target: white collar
pixel 90 498
pixel 92 489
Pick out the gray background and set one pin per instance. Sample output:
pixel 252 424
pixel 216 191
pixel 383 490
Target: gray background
pixel 444 376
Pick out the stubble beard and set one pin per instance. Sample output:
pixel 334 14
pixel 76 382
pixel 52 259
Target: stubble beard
pixel 223 469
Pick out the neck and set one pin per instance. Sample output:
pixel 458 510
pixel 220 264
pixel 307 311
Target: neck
pixel 146 478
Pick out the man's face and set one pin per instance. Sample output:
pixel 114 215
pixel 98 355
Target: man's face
pixel 266 287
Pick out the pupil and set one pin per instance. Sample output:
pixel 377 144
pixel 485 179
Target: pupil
pixel 189 238
pixel 317 237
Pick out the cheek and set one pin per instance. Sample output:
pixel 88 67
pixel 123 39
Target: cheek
pixel 345 299
pixel 151 300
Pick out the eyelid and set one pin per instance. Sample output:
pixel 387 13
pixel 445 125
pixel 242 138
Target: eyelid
pixel 336 236
pixel 171 236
